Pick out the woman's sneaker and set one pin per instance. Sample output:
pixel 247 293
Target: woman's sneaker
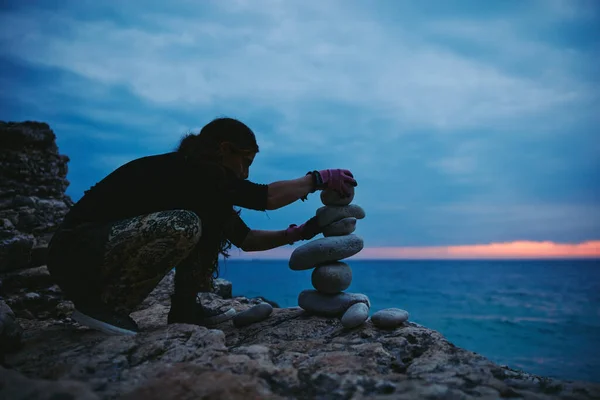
pixel 207 313
pixel 102 318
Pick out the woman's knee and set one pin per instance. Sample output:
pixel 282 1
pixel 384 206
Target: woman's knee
pixel 186 225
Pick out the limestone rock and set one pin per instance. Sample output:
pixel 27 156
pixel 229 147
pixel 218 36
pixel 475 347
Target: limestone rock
pixel 292 354
pixel 329 214
pixel 10 330
pixel 163 291
pixel 325 250
pixel 332 278
pixel 15 251
pixel 189 381
pixel 389 318
pixel 32 192
pixel 16 386
pixel 223 288
pixel 258 313
pixel 332 198
pixel 342 227
pixel 31 292
pixel 331 305
pixel 355 316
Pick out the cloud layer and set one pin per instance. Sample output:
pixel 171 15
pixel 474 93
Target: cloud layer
pixel 464 124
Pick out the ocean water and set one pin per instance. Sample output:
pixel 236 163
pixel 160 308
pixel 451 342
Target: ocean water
pixel 539 316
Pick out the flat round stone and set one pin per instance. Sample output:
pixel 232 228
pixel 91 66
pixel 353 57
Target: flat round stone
pixel 332 198
pixel 329 305
pixel 325 250
pixel 330 214
pixel 389 318
pixel 258 313
pixel 356 315
pixel 342 227
pixel 332 278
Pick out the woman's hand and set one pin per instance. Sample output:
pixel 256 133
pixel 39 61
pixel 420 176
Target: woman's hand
pixel 338 180
pixel 306 231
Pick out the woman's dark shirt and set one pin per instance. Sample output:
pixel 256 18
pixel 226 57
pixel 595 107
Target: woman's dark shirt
pixel 168 182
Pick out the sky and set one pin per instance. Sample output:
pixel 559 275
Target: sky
pixel 472 127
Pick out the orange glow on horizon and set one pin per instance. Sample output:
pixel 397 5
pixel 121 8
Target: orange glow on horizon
pixel 516 249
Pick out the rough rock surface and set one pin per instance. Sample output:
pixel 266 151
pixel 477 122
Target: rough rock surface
pixel 325 250
pixel 332 278
pixel 290 355
pixel 16 386
pixel 32 192
pixel 329 214
pixel 223 288
pixel 10 330
pixel 342 227
pixel 332 198
pixel 330 305
pixel 31 293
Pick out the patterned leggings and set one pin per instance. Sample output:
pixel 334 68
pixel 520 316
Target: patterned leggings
pixel 121 263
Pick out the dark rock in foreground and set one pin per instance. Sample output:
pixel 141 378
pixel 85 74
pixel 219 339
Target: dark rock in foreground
pixel 32 192
pixel 289 355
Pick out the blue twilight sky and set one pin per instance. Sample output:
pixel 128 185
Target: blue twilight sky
pixel 465 122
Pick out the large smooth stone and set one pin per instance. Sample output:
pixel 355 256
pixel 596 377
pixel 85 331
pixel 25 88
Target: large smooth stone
pixel 332 198
pixel 389 318
pixel 258 313
pixel 325 250
pixel 329 214
pixel 340 228
pixel 329 305
pixel 356 315
pixel 332 278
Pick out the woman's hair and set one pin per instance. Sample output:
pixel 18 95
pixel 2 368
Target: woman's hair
pixel 205 147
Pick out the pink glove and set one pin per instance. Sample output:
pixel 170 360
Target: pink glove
pixel 338 180
pixel 306 231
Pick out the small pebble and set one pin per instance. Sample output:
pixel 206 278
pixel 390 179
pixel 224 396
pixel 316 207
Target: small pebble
pixel 355 316
pixel 389 318
pixel 252 315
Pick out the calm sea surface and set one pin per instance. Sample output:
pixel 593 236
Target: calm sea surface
pixel 539 316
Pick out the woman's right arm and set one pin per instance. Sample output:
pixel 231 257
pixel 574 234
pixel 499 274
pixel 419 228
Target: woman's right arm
pixel 282 193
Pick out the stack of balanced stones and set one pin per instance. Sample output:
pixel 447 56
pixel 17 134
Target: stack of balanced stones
pixel 331 276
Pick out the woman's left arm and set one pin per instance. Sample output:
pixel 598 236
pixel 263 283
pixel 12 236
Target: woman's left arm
pixel 257 240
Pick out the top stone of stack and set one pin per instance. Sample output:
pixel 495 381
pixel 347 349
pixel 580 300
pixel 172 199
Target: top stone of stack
pixel 332 198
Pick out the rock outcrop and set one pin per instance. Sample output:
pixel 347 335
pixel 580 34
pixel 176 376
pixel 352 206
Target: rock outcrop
pixel 32 192
pixel 290 355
